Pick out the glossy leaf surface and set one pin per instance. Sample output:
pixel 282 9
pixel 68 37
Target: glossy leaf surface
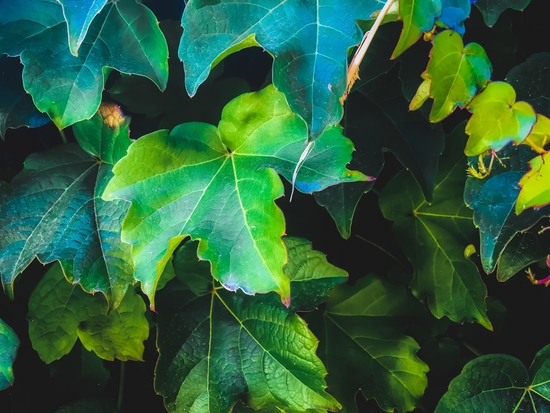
pixel 308 40
pixel 500 383
pixel 367 323
pixel 491 9
pixel 9 344
pixel 60 313
pixel 16 107
pixel 457 73
pixel 535 184
pixel 433 236
pixel 52 210
pixel 217 347
pixel 497 119
pixel 218 185
pixel 124 36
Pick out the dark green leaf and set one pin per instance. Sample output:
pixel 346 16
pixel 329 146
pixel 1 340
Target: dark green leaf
pixel 9 343
pixel 309 42
pixel 491 9
pixel 500 383
pixel 434 236
pixel 89 406
pixel 52 210
pixel 219 185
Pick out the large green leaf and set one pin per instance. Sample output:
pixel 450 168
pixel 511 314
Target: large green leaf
pixel 9 343
pixel 378 119
pixel 52 210
pixel 366 323
pixel 491 9
pixel 60 312
pixel 494 203
pixel 456 73
pixel 217 346
pixel 124 36
pixel 500 383
pixel 16 107
pixel 418 16
pixel 535 184
pixel 219 185
pixel 308 40
pixel 497 119
pixel 433 236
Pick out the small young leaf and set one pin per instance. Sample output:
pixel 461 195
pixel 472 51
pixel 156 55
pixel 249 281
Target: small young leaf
pixel 535 185
pixel 9 344
pixel 491 9
pixel 497 119
pixel 454 13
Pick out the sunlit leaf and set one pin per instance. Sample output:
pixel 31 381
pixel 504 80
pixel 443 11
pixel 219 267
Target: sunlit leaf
pixel 9 344
pixel 497 119
pixel 457 73
pixel 124 36
pixel 491 9
pixel 535 184
pixel 308 40
pixel 217 347
pixel 52 210
pixel 433 236
pixel 60 313
pixel 219 184
pixel 500 383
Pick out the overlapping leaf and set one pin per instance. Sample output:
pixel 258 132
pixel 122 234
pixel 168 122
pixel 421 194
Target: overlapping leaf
pixel 535 185
pixel 217 347
pixel 60 312
pixel 454 13
pixel 9 344
pixel 218 185
pixel 491 9
pixel 493 201
pixel 308 40
pixel 124 36
pixel 500 383
pixel 497 119
pixel 456 73
pixel 52 210
pixel 16 107
pixel 433 236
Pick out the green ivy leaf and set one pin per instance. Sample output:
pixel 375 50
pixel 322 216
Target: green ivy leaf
pixel 60 312
pixel 219 185
pixel 494 202
pixel 16 107
pixel 433 236
pixel 500 383
pixel 418 17
pixel 456 72
pixel 497 119
pixel 241 408
pixel 366 322
pixel 217 347
pixel 535 185
pixel 9 344
pixel 491 9
pixel 52 210
pixel 90 406
pixel 124 36
pixel 309 43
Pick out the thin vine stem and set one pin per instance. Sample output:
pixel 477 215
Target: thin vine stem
pixel 383 250
pixel 63 136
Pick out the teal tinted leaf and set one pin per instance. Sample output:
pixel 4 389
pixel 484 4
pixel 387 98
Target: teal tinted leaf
pixel 491 9
pixel 378 119
pixel 60 312
pixel 308 41
pixel 531 81
pixel 366 322
pixel 494 203
pixel 457 73
pixel 418 17
pixel 52 210
pixel 9 343
pixel 79 15
pixel 454 13
pixel 219 347
pixel 16 107
pixel 497 119
pixel 90 406
pixel 218 185
pixel 500 383
pixel 124 36
pixel 433 236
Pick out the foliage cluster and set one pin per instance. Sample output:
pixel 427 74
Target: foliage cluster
pixel 170 237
